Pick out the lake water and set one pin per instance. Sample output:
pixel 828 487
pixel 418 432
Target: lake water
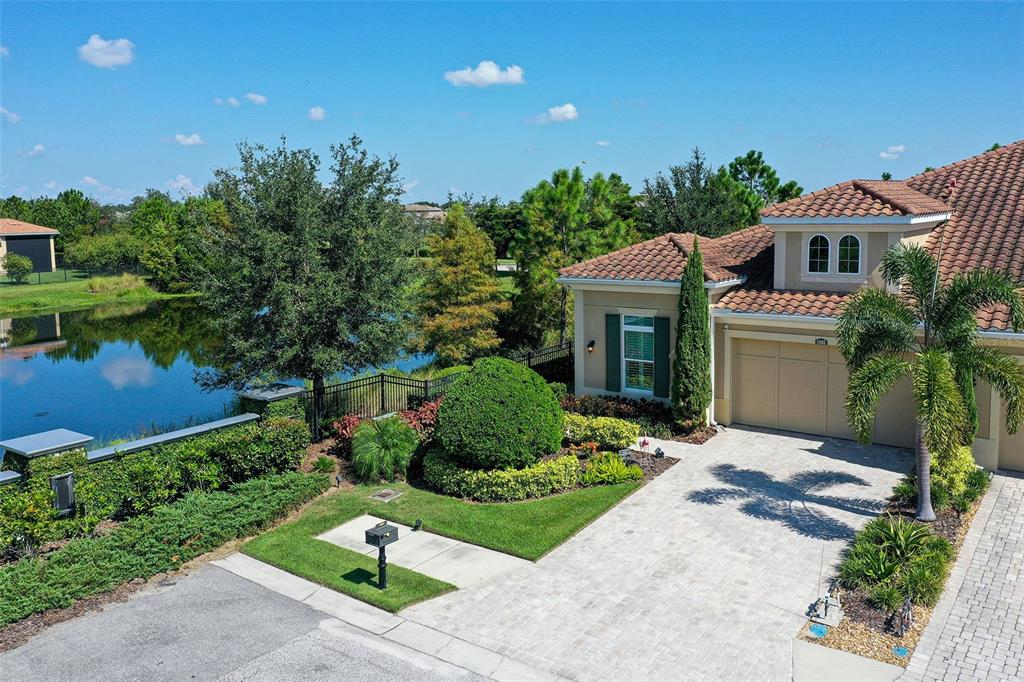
pixel 112 372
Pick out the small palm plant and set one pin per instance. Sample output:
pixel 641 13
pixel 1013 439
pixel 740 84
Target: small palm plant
pixel 383 448
pixel 929 331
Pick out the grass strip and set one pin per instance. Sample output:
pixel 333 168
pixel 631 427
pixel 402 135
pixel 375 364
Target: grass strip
pixel 27 299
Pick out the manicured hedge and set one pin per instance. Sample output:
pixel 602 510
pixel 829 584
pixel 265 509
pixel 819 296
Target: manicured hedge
pixel 607 432
pixel 134 483
pixel 146 545
pixel 499 415
pixel 501 485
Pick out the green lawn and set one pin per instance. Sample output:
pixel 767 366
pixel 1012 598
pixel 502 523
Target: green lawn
pixel 27 299
pixel 527 529
pixel 60 275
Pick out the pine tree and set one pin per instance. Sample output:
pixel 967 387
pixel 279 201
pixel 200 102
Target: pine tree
pixel 461 299
pixel 691 368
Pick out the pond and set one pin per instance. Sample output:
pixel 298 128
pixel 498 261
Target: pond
pixel 113 372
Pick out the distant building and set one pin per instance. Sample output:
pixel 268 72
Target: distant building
pixel 424 211
pixel 26 239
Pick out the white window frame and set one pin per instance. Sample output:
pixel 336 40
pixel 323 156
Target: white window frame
pixel 860 255
pixel 623 328
pixel 806 269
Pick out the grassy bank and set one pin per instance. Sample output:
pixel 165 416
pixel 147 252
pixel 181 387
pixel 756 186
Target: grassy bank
pixel 76 294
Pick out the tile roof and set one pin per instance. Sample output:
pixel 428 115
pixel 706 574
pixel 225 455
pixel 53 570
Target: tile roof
pixel 663 258
pixel 859 198
pixel 9 226
pixel 986 229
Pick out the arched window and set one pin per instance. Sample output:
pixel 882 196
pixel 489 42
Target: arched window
pixel 817 254
pixel 849 255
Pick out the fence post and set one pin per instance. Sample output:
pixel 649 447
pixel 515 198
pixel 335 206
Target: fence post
pixel 426 390
pixel 529 358
pixel 383 402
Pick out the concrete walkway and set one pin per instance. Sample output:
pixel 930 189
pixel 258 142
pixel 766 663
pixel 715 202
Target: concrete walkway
pixel 977 630
pixel 452 561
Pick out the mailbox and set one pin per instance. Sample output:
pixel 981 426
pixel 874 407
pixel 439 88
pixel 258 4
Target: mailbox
pixel 381 535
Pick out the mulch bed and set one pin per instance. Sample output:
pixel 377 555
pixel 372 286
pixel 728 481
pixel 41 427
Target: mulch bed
pixel 652 465
pixel 869 631
pixel 697 436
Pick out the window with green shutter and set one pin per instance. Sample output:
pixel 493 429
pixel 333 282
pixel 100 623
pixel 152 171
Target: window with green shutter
pixel 612 326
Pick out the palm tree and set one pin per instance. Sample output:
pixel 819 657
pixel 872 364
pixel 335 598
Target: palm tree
pixel 929 331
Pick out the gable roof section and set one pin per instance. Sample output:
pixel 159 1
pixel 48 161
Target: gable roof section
pixel 744 254
pixel 10 227
pixel 859 199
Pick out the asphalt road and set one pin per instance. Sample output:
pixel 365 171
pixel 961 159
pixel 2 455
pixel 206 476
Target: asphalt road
pixel 210 625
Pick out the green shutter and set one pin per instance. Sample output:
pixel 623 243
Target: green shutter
pixel 661 366
pixel 613 353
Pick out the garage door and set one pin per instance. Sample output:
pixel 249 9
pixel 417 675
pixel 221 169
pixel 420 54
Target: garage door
pixel 802 387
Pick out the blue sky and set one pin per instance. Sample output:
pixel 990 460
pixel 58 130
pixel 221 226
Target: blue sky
pixel 822 89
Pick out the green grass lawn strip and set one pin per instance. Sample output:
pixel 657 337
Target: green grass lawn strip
pixel 26 299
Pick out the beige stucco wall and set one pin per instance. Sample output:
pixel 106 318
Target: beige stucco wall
pixel 873 244
pixel 595 305
pixel 3 252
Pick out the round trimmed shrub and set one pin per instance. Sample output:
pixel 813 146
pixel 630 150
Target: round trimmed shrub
pixel 499 415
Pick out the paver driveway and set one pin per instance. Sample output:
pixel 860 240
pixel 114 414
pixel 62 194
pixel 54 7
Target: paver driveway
pixel 704 573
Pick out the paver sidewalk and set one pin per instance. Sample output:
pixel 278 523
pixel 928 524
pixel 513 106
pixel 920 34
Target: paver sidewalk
pixel 977 632
pixel 452 561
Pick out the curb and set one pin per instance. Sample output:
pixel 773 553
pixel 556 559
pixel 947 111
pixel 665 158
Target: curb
pixel 448 648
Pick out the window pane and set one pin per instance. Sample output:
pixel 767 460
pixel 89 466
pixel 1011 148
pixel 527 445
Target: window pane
pixel 849 255
pixel 817 254
pixel 639 345
pixel 640 375
pixel 635 321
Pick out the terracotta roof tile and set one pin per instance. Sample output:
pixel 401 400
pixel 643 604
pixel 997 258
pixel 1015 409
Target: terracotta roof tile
pixel 9 226
pixel 859 198
pixel 783 302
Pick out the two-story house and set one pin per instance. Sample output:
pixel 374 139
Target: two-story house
pixel 776 291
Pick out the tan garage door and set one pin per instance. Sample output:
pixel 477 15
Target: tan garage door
pixel 1011 448
pixel 802 387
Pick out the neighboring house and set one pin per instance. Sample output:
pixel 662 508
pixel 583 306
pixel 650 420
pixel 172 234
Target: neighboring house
pixel 424 211
pixel 776 291
pixel 30 240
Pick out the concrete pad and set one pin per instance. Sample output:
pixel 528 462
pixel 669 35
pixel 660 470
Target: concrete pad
pixel 452 561
pixel 353 611
pixel 471 657
pixel 351 535
pixel 467 565
pixel 514 671
pixel 419 637
pixel 816 663
pixel 268 576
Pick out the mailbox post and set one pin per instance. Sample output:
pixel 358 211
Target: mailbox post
pixel 380 536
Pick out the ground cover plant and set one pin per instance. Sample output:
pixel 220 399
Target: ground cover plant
pixel 159 541
pixel 383 448
pixel 134 483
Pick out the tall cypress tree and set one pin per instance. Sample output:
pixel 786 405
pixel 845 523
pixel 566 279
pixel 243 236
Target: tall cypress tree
pixel 691 368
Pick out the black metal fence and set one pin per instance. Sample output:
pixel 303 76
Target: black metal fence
pixel 386 393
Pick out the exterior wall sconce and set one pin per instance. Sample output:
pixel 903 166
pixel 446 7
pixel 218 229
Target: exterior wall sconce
pixel 590 345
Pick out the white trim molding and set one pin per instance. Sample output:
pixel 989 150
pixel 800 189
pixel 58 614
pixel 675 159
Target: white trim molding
pixel 856 220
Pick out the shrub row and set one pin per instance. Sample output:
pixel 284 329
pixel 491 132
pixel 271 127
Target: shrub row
pixel 894 558
pixel 607 432
pixel 652 411
pixel 133 483
pixel 501 485
pixel 150 544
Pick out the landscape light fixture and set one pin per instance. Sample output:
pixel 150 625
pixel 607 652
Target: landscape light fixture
pixel 590 346
pixel 380 536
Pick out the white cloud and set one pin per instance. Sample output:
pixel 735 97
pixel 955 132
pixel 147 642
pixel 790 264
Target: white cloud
pixel 412 184
pixel 559 114
pixel 486 73
pixel 51 184
pixel 256 98
pixel 892 152
pixel 604 143
pixel 127 371
pixel 36 151
pixel 92 182
pixel 9 115
pixel 114 193
pixel 189 140
pixel 21 189
pixel 182 184
pixel 107 54
pixel 317 114
pixel 5 51
pixel 230 101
